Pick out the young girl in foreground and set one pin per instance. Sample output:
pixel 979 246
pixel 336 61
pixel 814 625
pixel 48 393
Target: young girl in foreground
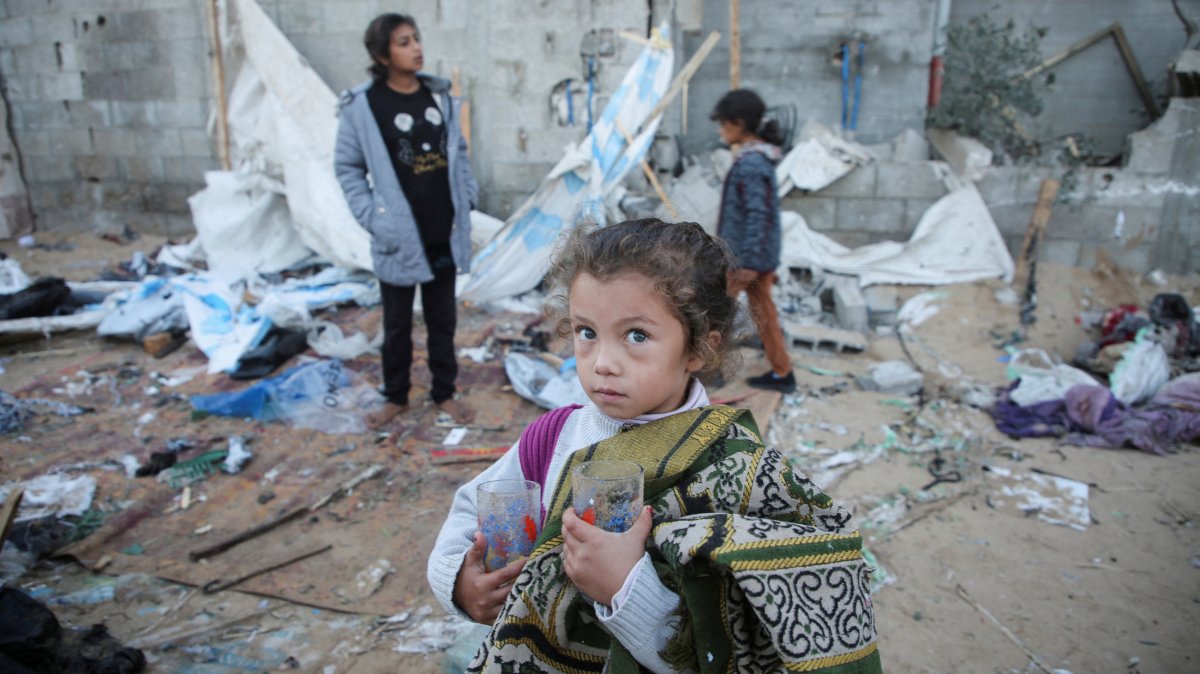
pixel 737 563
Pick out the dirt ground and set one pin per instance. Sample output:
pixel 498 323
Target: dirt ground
pixel 969 583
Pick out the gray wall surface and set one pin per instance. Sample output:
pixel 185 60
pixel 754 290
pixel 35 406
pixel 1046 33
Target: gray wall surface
pixel 110 99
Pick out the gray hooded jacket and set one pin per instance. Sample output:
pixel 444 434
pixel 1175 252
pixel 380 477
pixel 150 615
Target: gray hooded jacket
pixel 365 172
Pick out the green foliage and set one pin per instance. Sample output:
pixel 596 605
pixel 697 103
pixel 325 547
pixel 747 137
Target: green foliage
pixel 983 95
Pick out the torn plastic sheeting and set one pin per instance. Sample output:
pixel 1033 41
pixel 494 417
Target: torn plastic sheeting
pixel 1053 499
pixel 296 127
pixel 291 303
pixel 540 382
pixel 243 225
pixel 153 306
pixel 12 277
pixel 920 308
pixel 818 160
pixel 433 635
pixel 516 259
pixel 1041 379
pixel 222 327
pixel 328 340
pixel 322 395
pixel 52 495
pixel 956 241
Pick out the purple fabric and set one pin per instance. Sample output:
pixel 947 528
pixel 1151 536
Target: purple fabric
pixel 536 446
pixel 1033 421
pixel 1103 421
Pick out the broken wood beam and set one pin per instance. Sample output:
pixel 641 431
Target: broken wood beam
pixel 1027 259
pixel 683 77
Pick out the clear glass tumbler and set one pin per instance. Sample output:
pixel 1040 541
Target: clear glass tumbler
pixel 607 494
pixel 509 511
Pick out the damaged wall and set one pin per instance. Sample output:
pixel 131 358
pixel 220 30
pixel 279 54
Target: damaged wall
pixel 109 102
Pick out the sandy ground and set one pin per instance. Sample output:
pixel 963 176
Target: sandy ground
pixel 970 583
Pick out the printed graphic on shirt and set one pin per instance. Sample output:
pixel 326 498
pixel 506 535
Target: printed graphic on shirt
pixel 427 159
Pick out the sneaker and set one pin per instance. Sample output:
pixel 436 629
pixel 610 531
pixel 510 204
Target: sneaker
pixel 773 382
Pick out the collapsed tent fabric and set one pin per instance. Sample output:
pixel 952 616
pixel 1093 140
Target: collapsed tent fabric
pixel 517 258
pixel 302 111
pixel 956 241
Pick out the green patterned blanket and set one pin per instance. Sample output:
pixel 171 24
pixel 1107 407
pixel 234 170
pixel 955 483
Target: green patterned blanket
pixel 770 571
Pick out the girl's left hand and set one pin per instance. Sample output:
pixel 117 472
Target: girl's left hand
pixel 599 561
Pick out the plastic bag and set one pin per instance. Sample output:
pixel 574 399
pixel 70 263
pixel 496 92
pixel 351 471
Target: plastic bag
pixel 326 397
pixel 540 382
pixel 1142 371
pixel 1041 378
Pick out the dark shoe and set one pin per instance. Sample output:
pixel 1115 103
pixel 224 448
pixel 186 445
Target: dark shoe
pixel 773 382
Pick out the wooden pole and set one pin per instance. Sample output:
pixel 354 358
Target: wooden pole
pixel 218 69
pixel 9 512
pixel 1027 260
pixel 662 194
pixel 464 107
pixel 735 44
pixel 685 74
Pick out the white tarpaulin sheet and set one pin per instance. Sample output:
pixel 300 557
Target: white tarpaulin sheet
pixel 517 258
pixel 818 159
pixel 299 133
pixel 956 241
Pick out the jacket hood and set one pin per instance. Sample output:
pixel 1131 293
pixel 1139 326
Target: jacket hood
pixel 772 152
pixel 437 85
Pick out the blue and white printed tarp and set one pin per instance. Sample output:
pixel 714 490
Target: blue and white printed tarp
pixel 516 259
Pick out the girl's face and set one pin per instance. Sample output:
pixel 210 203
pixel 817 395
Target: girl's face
pixel 404 50
pixel 732 131
pixel 632 354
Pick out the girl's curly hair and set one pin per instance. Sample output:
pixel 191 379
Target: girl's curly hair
pixel 687 265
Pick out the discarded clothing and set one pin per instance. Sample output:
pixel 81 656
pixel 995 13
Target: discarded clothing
pixel 1102 420
pixel 1039 420
pixel 14 412
pixel 42 298
pixel 31 640
pixel 277 348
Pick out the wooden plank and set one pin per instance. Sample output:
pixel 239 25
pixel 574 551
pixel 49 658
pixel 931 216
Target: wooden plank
pixel 735 44
pixel 1027 259
pixel 464 107
pixel 685 74
pixel 650 175
pixel 218 68
pixel 1135 70
pixel 9 512
pixel 440 456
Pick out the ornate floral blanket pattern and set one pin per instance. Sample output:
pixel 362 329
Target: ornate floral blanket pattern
pixel 769 569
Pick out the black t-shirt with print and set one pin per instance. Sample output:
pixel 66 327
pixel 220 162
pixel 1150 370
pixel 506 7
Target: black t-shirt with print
pixel 414 130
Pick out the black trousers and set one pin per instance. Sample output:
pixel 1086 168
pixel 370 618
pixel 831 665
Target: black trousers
pixel 441 319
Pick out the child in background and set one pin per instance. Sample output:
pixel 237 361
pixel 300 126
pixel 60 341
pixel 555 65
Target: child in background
pixel 737 562
pixel 749 222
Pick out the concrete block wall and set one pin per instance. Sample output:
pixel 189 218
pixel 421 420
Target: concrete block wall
pixel 1143 216
pixel 788 54
pixel 1093 93
pixel 109 102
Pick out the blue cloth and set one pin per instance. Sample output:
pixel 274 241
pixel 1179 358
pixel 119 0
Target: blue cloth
pixel 378 203
pixel 749 221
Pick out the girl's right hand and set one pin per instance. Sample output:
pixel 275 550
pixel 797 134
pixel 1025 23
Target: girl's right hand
pixel 479 593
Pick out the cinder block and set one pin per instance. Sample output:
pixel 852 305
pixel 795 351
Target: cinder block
pixel 882 304
pixel 187 170
pixel 115 142
pixel 121 197
pixel 819 212
pixel 196 143
pixel 96 168
pixel 16 31
pixel 89 113
pixel 151 83
pixel 34 142
pixel 179 225
pixel 23 88
pixel 908 181
pixel 110 84
pixel 133 114
pixel 968 157
pixel 1126 188
pixel 71 142
pixel 870 215
pixel 1059 251
pixel 35 59
pixel 181 112
pixel 165 198
pixel 47 24
pixel 162 142
pixel 62 87
pixel 141 169
pixel 859 183
pixel 1012 220
pixel 849 305
pixel 51 168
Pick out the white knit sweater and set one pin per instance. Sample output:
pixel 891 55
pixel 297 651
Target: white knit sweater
pixel 641 617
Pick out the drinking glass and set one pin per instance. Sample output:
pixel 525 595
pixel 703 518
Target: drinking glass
pixel 509 511
pixel 607 494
